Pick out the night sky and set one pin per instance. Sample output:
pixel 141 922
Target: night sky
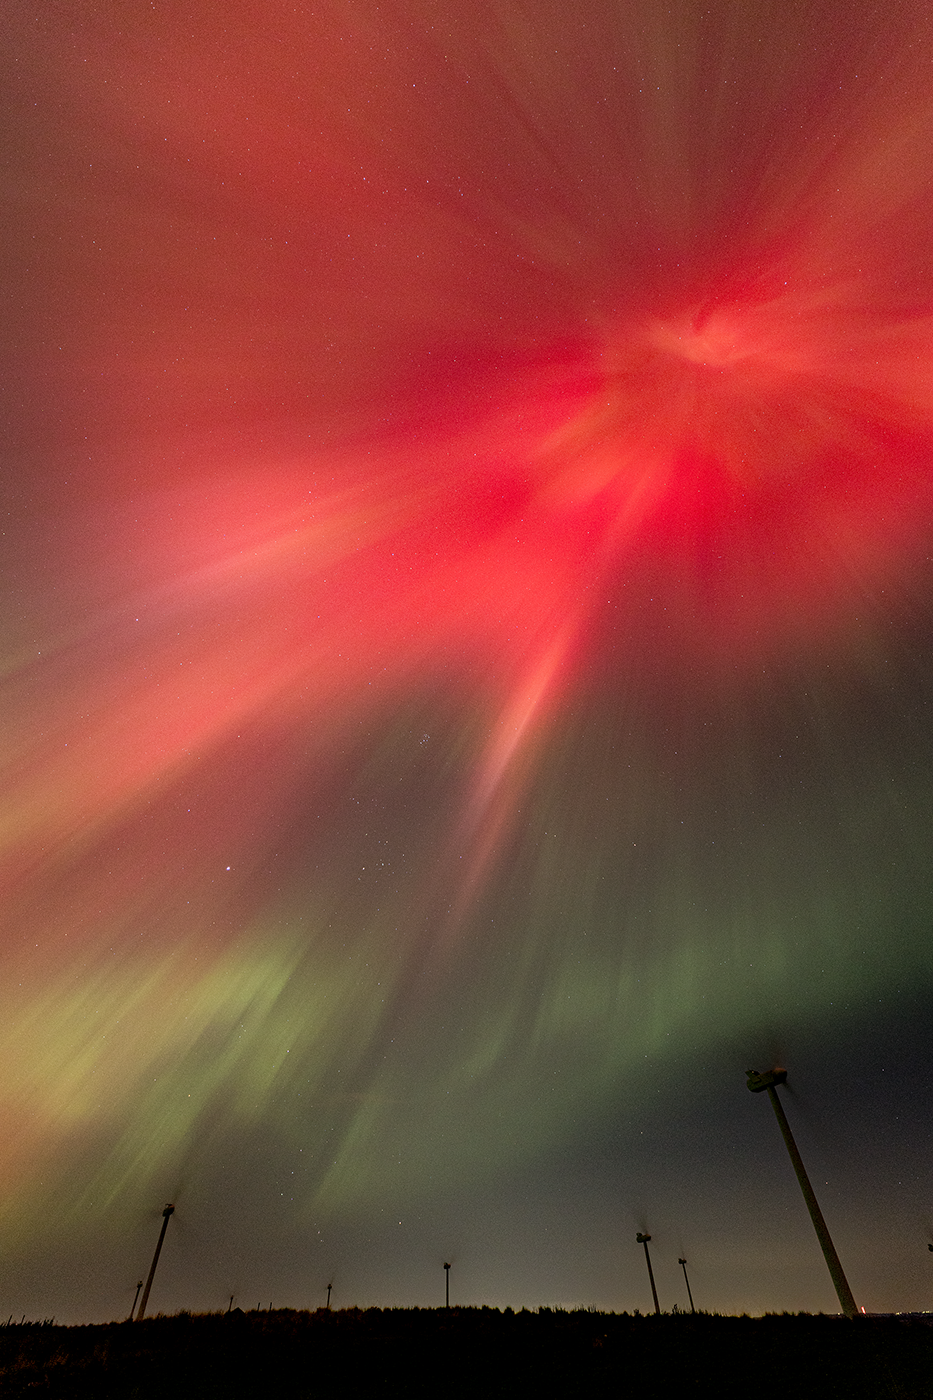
pixel 466 550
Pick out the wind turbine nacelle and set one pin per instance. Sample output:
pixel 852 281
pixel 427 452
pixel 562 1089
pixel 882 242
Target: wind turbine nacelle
pixel 768 1080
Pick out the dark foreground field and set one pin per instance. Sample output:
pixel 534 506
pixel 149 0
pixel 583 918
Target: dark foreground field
pixel 471 1352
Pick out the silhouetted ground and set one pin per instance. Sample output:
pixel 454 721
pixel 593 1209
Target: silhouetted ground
pixel 461 1352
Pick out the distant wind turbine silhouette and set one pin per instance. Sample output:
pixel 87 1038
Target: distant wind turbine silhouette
pixel 135 1300
pixel 683 1265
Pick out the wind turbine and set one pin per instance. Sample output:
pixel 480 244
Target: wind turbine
pixel 683 1265
pixel 769 1082
pixel 643 1239
pixel 135 1300
pixel 169 1210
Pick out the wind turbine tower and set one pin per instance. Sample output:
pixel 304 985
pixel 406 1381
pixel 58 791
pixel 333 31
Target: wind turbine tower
pixel 169 1210
pixel 683 1265
pixel 643 1239
pixel 768 1082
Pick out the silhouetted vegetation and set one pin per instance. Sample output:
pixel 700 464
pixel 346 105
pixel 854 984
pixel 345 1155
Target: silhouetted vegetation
pixel 463 1352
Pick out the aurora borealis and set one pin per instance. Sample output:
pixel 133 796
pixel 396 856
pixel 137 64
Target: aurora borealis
pixel 466 561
